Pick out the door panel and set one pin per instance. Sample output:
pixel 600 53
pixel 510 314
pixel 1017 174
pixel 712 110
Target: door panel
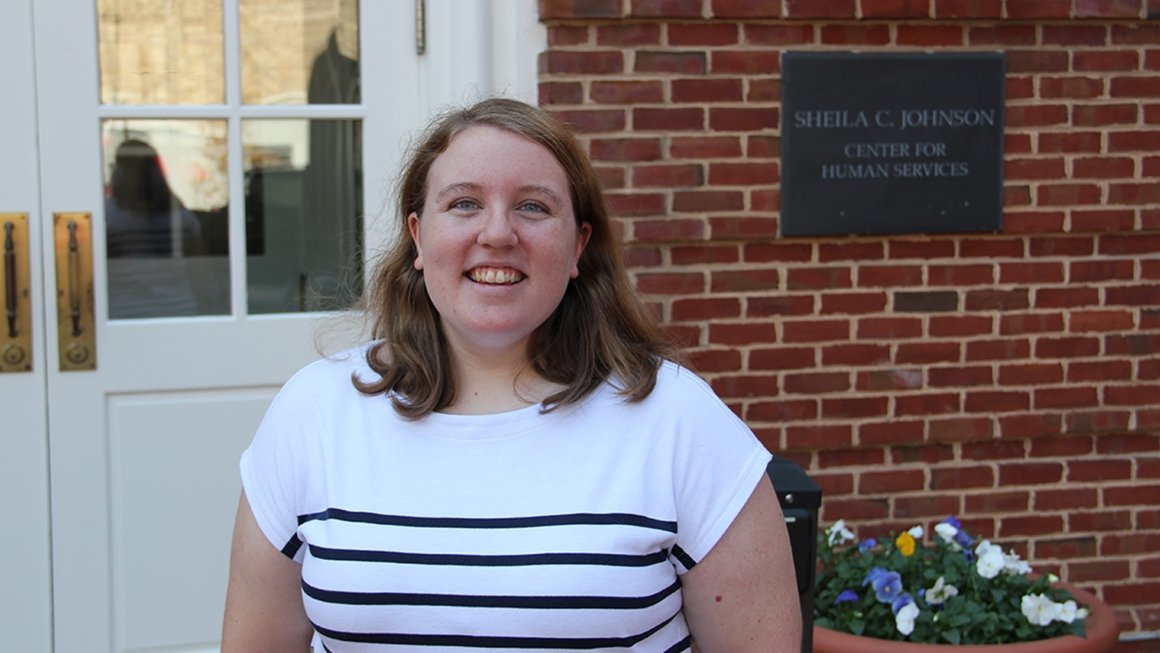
pixel 219 230
pixel 25 616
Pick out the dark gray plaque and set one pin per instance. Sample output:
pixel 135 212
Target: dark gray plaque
pixel 891 143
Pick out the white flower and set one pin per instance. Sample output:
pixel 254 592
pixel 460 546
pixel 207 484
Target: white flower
pixel 947 532
pixel 940 592
pixel 1013 566
pixel 990 559
pixel 1067 612
pixel 1039 609
pixel 904 620
pixel 916 532
pixel 839 533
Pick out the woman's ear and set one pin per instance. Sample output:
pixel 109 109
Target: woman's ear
pixel 413 227
pixel 582 236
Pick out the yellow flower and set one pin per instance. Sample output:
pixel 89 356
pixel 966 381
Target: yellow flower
pixel 905 543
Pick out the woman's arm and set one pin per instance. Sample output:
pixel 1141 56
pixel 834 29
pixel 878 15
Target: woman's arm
pixel 264 612
pixel 743 596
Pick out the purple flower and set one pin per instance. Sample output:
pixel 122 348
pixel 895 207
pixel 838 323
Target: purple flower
pixel 887 584
pixel 867 544
pixel 900 602
pixel 846 595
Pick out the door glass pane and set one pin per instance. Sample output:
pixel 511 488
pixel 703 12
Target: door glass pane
pixel 161 51
pixel 299 51
pixel 166 233
pixel 304 238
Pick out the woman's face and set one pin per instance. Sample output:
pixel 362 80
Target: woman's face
pixel 497 240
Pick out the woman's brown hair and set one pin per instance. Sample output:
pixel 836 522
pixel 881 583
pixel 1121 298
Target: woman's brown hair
pixel 600 331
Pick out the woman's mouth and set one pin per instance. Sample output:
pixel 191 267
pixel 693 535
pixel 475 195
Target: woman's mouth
pixel 495 276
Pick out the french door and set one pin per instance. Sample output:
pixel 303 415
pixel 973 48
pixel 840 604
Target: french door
pixel 195 189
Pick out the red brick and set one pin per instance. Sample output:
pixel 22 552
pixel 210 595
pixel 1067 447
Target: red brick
pixel 1030 525
pixel 742 174
pixel 1069 142
pixel 888 378
pixel 1098 470
pixel 707 200
pixel 757 306
pixel 1069 194
pixel 928 352
pixel 855 354
pixel 990 248
pixel 1080 271
pixel 834 485
pixel 1066 548
pixel 645 176
pixel 819 437
pixel 1065 397
pixel 1107 9
pixel 668 120
pixel 635 204
pixel 1030 426
pixel 728 281
pixel 626 92
pixel 563 9
pixel 1000 300
pixel 1030 374
pixel 927 404
pixel 1141 344
pixel 1128 443
pixel 748 385
pixel 1039 9
pixel 889 328
pixel 850 457
pixel 816 382
pixel 992 450
pixel 1000 34
pixel 742 334
pixel 1062 246
pixel 1038 168
pixel 818 278
pixel 891 482
pixel 996 401
pixel 997 502
pixel 781 34
pixel 1065 499
pixel 715 360
pixel 852 303
pixel 1096 421
pixel 820 8
pixel 1069 347
pixel 706 309
pixel 949 377
pixel 931 35
pixel 1131 593
pixel 854 509
pixel 1134 87
pixel 929 454
pixel 588 121
pixel 628 35
pixel 1129 544
pixel 556 93
pixel 1138 33
pixel 660 61
pixel 927 505
pixel 964 477
pixel 605 62
pixel 706 90
pixel 746 62
pixel 1071 35
pixel 668 230
pixel 893 276
pixel 1036 61
pixel 1020 323
pixel 742 119
pixel 892 432
pixel 1105 60
pixel 1083 572
pixel 701 253
pixel 1066 297
pixel 1035 473
pixel 852 34
pixel 783 358
pixel 700 147
pixel 562 35
pixel 1099 115
pixel 1097 371
pixel 1138 495
pixel 701 33
pixel 855 407
pixel 961 275
pixel 968 8
pixel 745 9
pixel 795 410
pixel 1006 349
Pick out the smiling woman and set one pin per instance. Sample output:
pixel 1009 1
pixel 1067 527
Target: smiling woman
pixel 519 463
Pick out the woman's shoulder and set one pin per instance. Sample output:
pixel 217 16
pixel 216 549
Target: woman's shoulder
pixel 333 371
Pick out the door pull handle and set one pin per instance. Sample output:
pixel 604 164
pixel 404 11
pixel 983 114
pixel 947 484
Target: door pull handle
pixel 16 340
pixel 76 333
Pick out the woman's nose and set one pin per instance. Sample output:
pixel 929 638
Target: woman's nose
pixel 498 229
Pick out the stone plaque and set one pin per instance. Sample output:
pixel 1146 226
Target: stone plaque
pixel 891 143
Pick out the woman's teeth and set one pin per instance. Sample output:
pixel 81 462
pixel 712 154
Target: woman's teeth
pixel 494 276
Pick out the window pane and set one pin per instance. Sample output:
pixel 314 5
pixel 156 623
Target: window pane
pixel 166 233
pixel 161 51
pixel 304 238
pixel 299 51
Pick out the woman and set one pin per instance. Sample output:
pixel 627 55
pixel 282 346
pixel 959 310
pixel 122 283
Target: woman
pixel 515 463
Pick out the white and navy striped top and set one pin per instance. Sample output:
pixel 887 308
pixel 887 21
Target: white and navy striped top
pixel 519 531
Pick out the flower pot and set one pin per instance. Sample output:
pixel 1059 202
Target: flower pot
pixel 1101 626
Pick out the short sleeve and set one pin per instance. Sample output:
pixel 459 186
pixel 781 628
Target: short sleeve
pixel 272 468
pixel 718 462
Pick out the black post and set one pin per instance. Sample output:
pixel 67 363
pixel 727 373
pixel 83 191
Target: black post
pixel 800 499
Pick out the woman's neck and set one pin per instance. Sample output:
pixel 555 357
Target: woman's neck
pixel 496 384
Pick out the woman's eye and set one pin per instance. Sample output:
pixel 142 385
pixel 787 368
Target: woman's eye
pixel 464 205
pixel 532 207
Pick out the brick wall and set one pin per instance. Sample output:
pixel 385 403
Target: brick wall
pixel 1012 379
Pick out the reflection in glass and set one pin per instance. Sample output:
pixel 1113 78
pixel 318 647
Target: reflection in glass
pixel 299 52
pixel 303 214
pixel 166 229
pixel 161 51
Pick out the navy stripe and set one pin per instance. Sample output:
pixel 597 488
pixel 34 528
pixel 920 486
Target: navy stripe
pixel 574 519
pixel 684 558
pixel 512 560
pixel 291 548
pixel 495 641
pixel 486 601
pixel 683 645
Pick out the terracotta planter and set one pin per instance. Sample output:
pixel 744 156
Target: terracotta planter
pixel 1102 636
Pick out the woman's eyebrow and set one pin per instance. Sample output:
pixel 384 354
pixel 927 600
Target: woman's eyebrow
pixel 543 190
pixel 460 187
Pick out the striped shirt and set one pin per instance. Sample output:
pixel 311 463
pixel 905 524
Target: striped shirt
pixel 519 531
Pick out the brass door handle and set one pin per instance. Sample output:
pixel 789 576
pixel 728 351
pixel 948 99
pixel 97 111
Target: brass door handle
pixel 16 340
pixel 76 335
